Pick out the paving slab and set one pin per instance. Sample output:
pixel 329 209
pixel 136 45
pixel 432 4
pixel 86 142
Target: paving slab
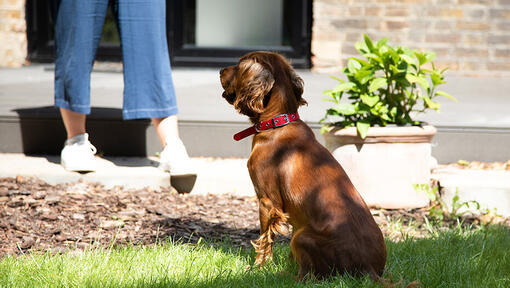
pixel 215 175
pixel 482 101
pixel 489 188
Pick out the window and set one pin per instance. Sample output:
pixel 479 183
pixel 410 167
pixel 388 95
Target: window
pixel 218 32
pixel 211 33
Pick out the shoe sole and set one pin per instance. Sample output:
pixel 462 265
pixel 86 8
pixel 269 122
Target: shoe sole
pixel 79 169
pixel 183 183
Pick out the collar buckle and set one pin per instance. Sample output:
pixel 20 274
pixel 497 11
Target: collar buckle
pixel 279 122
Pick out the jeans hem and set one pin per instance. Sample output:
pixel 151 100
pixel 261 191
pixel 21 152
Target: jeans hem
pixel 149 113
pixel 82 109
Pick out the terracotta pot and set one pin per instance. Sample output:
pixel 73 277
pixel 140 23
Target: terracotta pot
pixel 384 166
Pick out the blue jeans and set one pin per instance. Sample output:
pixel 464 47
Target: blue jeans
pixel 148 85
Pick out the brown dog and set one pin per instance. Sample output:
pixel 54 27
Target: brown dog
pixel 296 179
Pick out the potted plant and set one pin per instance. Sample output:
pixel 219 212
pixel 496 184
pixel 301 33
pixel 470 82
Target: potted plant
pixel 373 133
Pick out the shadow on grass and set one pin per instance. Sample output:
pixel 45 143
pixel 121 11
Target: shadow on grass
pixel 193 231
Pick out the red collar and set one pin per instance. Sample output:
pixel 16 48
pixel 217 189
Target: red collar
pixel 275 122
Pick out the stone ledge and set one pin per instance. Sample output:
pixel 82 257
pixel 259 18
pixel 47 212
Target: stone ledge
pixel 491 189
pixel 215 175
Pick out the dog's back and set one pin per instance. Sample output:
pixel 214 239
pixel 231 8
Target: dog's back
pixel 334 230
pixel 296 178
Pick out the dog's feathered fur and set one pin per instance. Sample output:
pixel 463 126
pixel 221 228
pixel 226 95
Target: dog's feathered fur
pixel 297 180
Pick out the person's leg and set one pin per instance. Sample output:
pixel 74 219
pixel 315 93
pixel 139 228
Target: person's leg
pixel 77 32
pixel 73 122
pixel 165 128
pixel 148 85
pixel 78 29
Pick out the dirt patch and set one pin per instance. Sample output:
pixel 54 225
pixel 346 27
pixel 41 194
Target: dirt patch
pixel 36 215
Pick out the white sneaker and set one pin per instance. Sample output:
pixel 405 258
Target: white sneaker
pixel 174 158
pixel 78 154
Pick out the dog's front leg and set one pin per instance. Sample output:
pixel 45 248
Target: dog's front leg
pixel 271 220
pixel 264 244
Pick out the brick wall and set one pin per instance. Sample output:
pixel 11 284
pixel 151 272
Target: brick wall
pixel 13 39
pixel 469 36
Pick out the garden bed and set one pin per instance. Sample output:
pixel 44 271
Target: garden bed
pixel 37 216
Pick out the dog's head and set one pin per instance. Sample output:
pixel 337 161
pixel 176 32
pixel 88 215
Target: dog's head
pixel 250 84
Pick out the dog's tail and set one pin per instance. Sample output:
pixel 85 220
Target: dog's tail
pixel 264 244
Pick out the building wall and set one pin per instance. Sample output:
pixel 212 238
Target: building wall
pixel 13 38
pixel 469 36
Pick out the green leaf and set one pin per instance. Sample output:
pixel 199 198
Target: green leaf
pixel 375 58
pixel 410 60
pixel 382 43
pixel 369 100
pixel 345 109
pixel 361 61
pixel 337 79
pixel 444 94
pixel 425 57
pixel 362 127
pixel 436 78
pixel 377 83
pixel 431 104
pixel 369 43
pixel 363 75
pixel 353 65
pixel 422 59
pixel 335 96
pixel 361 47
pixel 403 66
pixel 418 79
pixel 343 87
pixel 361 108
pixel 393 112
pixel 430 56
pixel 394 55
pixel 329 100
pixel 385 117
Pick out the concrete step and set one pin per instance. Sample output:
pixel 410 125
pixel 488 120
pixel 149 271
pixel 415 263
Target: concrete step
pixel 112 136
pixel 215 175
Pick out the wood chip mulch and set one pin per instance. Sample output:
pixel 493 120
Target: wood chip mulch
pixel 34 214
pixel 477 165
pixel 37 216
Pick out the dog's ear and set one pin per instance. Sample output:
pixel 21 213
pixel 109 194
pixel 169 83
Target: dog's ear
pixel 297 86
pixel 254 83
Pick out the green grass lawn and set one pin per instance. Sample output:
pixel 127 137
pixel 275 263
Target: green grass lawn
pixel 459 257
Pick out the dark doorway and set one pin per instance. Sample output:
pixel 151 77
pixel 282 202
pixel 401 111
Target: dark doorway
pixel 210 33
